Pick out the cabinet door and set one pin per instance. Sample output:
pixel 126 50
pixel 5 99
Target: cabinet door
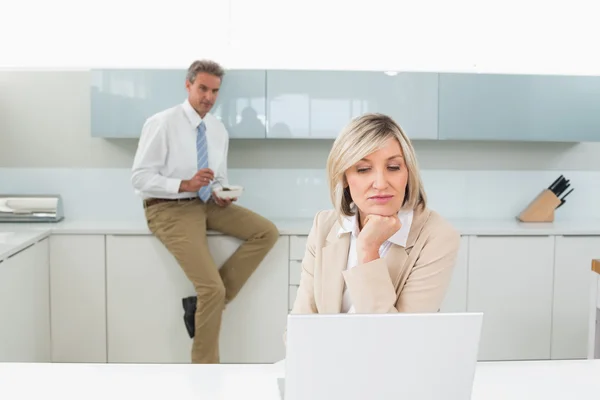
pixel 519 107
pixel 241 104
pixel 78 298
pixel 122 100
pixel 570 314
pixel 318 104
pixel 456 296
pixel 145 286
pixel 510 281
pixel 25 306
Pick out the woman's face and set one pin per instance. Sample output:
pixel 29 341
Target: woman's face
pixel 378 182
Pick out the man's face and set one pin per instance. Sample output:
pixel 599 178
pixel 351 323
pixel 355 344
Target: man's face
pixel 202 94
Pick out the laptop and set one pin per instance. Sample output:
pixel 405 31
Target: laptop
pixel 381 356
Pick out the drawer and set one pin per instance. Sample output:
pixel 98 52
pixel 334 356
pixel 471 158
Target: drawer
pixel 292 292
pixel 295 271
pixel 297 247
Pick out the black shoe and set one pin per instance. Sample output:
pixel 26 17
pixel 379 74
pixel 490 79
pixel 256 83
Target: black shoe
pixel 189 316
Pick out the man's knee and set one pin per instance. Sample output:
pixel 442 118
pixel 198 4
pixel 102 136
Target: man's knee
pixel 211 293
pixel 271 234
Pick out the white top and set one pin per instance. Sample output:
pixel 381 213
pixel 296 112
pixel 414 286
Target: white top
pixel 520 380
pixel 166 152
pixel 350 225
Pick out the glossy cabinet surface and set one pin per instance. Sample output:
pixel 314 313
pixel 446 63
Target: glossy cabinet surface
pixel 241 104
pixel 318 104
pixel 122 100
pixel 519 107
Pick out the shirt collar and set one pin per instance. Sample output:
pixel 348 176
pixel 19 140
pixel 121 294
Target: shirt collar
pixel 350 225
pixel 191 114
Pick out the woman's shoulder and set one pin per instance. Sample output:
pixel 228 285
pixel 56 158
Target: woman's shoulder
pixel 324 221
pixel 430 224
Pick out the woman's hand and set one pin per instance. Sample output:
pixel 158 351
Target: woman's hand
pixel 375 232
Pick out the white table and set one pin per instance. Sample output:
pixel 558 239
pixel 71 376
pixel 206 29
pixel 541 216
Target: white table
pixel 526 380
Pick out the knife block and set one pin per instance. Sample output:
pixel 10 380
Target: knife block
pixel 541 209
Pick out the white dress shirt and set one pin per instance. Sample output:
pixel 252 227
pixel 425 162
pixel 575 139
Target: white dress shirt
pixel 350 225
pixel 166 152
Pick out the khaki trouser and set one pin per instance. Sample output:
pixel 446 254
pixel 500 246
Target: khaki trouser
pixel 181 227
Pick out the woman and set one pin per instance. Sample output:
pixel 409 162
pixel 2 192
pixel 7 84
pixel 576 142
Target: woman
pixel 381 250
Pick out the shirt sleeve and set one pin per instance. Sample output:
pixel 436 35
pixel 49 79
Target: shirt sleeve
pixel 150 157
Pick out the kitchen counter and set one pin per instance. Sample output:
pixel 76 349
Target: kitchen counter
pixel 12 242
pixel 526 380
pixel 16 236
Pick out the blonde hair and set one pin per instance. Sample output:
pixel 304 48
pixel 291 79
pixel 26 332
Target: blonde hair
pixel 362 136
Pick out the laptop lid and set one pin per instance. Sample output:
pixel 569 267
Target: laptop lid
pixel 382 356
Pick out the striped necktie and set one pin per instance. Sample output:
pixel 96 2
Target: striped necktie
pixel 202 148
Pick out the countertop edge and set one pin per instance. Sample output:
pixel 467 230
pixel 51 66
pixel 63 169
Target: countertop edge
pixel 33 232
pixel 22 245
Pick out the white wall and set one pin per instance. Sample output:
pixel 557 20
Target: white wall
pixel 533 36
pixel 46 146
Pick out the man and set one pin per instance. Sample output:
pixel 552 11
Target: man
pixel 180 162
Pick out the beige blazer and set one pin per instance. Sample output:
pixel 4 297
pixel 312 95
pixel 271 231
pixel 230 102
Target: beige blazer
pixel 411 279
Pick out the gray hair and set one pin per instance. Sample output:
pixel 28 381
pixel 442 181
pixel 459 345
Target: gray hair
pixel 361 137
pixel 207 66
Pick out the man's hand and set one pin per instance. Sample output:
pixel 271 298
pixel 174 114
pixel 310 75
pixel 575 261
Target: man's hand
pixel 200 179
pixel 222 202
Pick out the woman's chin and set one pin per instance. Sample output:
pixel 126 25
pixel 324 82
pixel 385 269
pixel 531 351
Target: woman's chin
pixel 383 210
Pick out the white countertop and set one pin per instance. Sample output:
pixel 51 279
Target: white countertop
pixel 12 242
pixel 524 380
pixel 15 236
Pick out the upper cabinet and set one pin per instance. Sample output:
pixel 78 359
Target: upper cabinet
pixel 122 100
pixel 241 104
pixel 318 104
pixel 519 107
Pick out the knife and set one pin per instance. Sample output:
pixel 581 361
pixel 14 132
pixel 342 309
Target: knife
pixel 556 182
pixel 559 190
pixel 562 201
pixel 556 189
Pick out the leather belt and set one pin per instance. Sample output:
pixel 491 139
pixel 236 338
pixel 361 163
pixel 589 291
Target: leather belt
pixel 153 201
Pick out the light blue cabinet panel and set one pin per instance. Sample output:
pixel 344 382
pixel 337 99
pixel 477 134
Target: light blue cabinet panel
pixel 242 103
pixel 318 104
pixel 122 100
pixel 519 107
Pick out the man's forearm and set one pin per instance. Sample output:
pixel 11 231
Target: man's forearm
pixel 151 182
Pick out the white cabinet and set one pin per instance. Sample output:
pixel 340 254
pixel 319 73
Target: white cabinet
pixel 510 281
pixel 145 286
pixel 25 306
pixel 296 255
pixel 571 303
pixel 456 296
pixel 78 298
